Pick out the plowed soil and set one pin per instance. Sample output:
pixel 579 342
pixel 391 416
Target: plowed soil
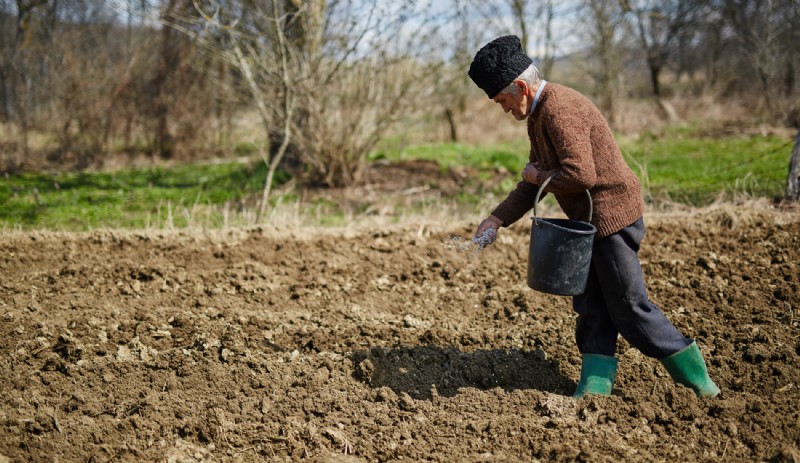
pixel 387 345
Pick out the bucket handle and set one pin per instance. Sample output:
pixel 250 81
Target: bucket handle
pixel 539 194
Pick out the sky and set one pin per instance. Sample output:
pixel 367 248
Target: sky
pixel 487 19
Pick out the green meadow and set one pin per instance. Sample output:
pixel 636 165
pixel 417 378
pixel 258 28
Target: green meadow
pixel 139 198
pixel 679 168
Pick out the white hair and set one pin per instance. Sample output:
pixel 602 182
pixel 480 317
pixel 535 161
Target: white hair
pixel 530 76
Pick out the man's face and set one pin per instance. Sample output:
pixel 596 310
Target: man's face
pixel 517 103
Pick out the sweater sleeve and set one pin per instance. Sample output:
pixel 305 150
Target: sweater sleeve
pixel 517 203
pixel 570 131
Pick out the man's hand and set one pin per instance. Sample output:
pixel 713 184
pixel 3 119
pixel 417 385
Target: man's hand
pixel 483 238
pixel 530 173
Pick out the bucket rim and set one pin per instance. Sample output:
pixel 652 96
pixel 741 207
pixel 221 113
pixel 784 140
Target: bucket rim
pixel 588 229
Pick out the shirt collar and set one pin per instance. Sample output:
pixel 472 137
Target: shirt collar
pixel 538 94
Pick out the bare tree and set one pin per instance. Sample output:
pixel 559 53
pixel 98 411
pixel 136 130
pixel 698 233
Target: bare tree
pixel 168 59
pixel 546 14
pixel 78 72
pixel 702 49
pixel 287 91
pixel 30 64
pixel 766 32
pixel 603 19
pixel 657 25
pixel 518 9
pixel 454 84
pixel 533 20
pixel 22 23
pixel 341 82
pixel 793 179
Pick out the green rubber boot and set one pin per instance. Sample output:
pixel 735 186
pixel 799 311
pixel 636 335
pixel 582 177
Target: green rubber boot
pixel 597 375
pixel 688 368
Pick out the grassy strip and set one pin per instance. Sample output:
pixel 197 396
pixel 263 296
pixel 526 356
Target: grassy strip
pixel 699 170
pixel 680 167
pixel 127 198
pixel 509 155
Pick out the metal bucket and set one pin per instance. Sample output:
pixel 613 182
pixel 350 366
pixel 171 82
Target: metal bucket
pixel 560 252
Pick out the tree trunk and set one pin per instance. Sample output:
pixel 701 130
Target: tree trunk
pixel 7 92
pixel 167 62
pixel 667 110
pixel 793 180
pixel 603 26
pixel 547 61
pixel 655 77
pixel 451 121
pixel 518 8
pixel 289 105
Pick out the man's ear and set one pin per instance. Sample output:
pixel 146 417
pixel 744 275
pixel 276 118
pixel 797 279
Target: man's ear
pixel 523 86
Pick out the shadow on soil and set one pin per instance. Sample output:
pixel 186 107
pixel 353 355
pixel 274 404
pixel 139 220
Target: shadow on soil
pixel 416 370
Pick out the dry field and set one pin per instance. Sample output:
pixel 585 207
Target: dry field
pixel 383 345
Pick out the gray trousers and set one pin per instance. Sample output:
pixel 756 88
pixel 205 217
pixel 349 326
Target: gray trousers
pixel 615 302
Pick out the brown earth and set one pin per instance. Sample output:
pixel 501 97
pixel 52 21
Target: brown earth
pixel 256 345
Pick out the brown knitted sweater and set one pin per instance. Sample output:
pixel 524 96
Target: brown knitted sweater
pixel 571 141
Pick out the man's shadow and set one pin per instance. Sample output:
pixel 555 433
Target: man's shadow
pixel 416 370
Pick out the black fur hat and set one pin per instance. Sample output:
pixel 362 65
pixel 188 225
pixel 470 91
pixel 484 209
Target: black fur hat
pixel 498 63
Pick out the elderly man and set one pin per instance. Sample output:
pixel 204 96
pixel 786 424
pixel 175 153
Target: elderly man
pixel 572 144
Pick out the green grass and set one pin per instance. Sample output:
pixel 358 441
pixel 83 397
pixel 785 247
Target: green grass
pixel 680 167
pixel 125 199
pixel 697 171
pixel 449 155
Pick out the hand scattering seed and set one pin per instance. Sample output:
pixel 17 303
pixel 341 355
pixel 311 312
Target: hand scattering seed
pixel 476 244
pixel 486 238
